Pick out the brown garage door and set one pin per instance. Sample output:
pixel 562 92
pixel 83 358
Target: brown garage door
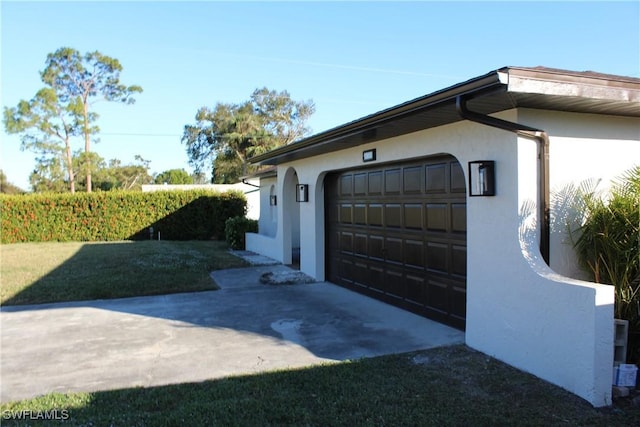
pixel 397 232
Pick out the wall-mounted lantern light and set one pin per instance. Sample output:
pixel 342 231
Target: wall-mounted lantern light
pixel 482 178
pixel 273 200
pixel 369 155
pixel 302 193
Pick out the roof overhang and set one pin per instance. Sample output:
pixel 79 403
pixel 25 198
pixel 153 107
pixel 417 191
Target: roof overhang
pixel 499 90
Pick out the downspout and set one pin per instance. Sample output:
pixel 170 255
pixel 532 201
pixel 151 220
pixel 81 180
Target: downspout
pixel 542 139
pixel 245 182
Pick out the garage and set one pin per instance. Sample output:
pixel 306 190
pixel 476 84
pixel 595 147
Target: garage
pixel 397 232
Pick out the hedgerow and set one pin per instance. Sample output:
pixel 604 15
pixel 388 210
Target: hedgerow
pixel 118 215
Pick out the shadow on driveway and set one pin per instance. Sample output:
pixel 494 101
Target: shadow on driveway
pixel 246 327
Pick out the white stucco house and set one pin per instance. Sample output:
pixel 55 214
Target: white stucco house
pixel 451 206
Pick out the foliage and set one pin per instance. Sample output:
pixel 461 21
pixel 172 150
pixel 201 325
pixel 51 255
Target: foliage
pixel 117 176
pixel 174 176
pixel 7 187
pixel 114 175
pixel 236 227
pixel 46 125
pixel 118 215
pixel 62 110
pixel 225 137
pixel 37 273
pixel 609 247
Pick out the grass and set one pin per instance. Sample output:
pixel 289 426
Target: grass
pixel 34 273
pixel 449 386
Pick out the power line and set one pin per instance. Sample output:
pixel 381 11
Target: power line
pixel 138 134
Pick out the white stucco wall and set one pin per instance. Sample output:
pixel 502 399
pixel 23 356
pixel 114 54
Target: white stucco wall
pixel 518 309
pixel 585 150
pixel 268 221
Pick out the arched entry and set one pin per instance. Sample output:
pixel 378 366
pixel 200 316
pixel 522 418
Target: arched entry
pixel 397 232
pixel 291 219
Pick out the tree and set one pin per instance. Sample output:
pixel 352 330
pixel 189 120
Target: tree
pixel 45 125
pixel 118 176
pixel 225 137
pixel 174 176
pixel 49 176
pixel 61 111
pixel 7 187
pixel 77 80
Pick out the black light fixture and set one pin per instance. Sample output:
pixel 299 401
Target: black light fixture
pixel 369 155
pixel 482 178
pixel 273 200
pixel 302 193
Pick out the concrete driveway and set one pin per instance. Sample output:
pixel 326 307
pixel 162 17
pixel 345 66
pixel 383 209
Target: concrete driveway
pixel 244 328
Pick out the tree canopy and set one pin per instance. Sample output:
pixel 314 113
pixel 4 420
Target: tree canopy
pixel 63 110
pixel 225 137
pixel 174 176
pixel 107 175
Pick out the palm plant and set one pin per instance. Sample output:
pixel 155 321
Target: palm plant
pixel 608 246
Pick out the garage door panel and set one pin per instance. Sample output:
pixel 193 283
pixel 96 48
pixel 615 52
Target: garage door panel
pixel 413 177
pixel 436 259
pixel 346 242
pixel 359 184
pixel 393 215
pixel 394 285
pixel 376 276
pixel 360 214
pixel 345 266
pixel 346 211
pixel 414 253
pixel 413 216
pixel 375 183
pixel 376 247
pixel 436 178
pixel 374 214
pixel 398 232
pixel 416 289
pixel 458 183
pixel 438 296
pixel 437 216
pixel 459 217
pixel 392 180
pixel 459 260
pixel 360 245
pixel 360 273
pixel 459 302
pixel 346 185
pixel 393 250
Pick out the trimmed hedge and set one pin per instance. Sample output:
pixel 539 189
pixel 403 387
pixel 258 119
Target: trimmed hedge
pixel 118 215
pixel 236 227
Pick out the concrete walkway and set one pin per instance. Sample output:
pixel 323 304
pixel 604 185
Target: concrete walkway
pixel 246 327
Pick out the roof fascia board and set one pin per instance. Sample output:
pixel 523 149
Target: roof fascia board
pixel 555 83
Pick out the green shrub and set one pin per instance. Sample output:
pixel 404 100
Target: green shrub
pixel 236 227
pixel 609 248
pixel 118 215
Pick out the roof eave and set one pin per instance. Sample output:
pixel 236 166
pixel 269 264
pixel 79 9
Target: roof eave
pixel 502 89
pixel 493 80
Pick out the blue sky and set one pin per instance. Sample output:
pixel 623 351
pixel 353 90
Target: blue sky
pixel 351 58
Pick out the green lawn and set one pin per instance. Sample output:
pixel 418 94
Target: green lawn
pixel 34 273
pixel 450 386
